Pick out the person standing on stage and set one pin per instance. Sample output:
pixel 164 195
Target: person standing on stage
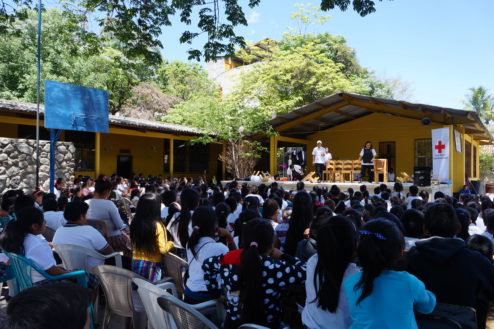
pixel 319 158
pixel 367 155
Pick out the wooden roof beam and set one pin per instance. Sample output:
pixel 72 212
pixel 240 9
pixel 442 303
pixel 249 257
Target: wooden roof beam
pixel 310 116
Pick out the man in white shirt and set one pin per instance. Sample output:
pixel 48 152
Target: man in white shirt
pixel 318 158
pixel 76 232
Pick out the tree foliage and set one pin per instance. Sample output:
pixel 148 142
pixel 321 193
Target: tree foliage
pixel 185 80
pixel 481 101
pixel 302 69
pixel 138 24
pixel 70 54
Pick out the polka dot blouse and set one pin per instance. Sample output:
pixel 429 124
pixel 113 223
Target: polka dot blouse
pixel 277 274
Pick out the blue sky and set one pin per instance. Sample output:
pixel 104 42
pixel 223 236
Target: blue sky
pixel 441 48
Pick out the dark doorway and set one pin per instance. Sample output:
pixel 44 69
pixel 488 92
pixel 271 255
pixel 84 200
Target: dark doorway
pixel 124 166
pixel 387 150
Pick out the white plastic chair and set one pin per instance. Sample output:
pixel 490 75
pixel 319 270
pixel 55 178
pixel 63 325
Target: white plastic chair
pixel 158 318
pixel 149 293
pixel 75 257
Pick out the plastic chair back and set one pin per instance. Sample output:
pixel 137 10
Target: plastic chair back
pixel 175 267
pixel 252 326
pixel 149 294
pixel 184 315
pixel 117 286
pixel 76 257
pixel 21 268
pixel 100 225
pixel 466 316
pixel 429 321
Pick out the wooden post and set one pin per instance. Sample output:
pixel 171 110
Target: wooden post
pixel 172 158
pixel 97 154
pixel 273 148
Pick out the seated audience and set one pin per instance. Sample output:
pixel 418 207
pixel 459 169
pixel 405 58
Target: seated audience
pixel 23 237
pixel 77 232
pixel 54 218
pixel 454 273
pixel 379 296
pixel 201 246
pixel 149 239
pixel 61 305
pixel 255 278
pixel 326 305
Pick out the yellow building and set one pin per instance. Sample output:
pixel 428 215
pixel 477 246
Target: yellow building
pixel 399 131
pixel 131 146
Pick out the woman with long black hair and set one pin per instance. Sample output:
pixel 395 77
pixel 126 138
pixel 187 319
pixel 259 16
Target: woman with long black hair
pixel 255 278
pixel 149 238
pixel 380 297
pixel 299 221
pixel 202 245
pixel 326 305
pixel 180 226
pixel 22 236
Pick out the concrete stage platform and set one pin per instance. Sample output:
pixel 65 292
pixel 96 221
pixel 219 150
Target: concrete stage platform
pixel 445 188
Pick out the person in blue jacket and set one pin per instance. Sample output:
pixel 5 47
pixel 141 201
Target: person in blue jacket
pixel 380 297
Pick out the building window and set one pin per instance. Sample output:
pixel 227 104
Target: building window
pixel 84 149
pixel 474 161
pixel 190 158
pixel 423 152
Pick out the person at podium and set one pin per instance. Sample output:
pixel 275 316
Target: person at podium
pixel 367 156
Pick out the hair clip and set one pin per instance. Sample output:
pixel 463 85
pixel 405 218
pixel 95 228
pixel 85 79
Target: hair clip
pixel 254 244
pixel 377 235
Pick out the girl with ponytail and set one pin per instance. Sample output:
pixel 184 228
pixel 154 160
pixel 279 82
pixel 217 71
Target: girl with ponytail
pixel 380 297
pixel 326 305
pixel 202 245
pixel 255 278
pixel 22 236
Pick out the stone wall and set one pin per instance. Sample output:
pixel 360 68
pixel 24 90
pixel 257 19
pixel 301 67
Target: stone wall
pixel 18 163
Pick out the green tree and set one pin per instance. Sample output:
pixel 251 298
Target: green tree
pixel 481 101
pixel 302 69
pixel 184 80
pixel 138 24
pixel 70 54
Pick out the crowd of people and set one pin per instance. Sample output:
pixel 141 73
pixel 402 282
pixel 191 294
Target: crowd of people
pixel 343 259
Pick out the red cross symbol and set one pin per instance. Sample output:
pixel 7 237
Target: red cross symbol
pixel 440 147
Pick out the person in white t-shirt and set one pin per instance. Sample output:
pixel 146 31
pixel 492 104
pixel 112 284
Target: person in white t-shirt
pixel 53 218
pixel 77 232
pixel 295 172
pixel 413 192
pixel 201 246
pixel 328 157
pixel 318 158
pixel 23 237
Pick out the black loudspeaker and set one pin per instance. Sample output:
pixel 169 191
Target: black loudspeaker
pixel 422 176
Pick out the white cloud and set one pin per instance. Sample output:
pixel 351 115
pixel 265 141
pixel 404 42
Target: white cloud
pixel 252 31
pixel 253 17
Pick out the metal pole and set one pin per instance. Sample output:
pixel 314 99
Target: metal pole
pixel 38 94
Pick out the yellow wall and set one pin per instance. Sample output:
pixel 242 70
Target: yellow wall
pixel 147 153
pixel 346 140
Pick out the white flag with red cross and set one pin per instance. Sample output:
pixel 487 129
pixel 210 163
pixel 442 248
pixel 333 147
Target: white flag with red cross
pixel 440 154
